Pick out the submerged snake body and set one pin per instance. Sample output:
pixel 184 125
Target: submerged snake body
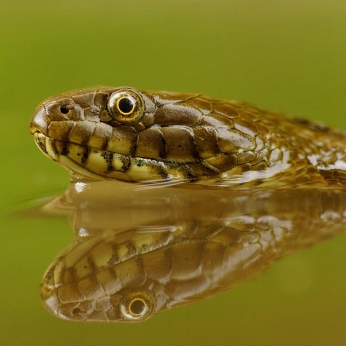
pixel 127 134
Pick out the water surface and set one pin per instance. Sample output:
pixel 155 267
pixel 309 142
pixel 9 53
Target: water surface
pixel 287 56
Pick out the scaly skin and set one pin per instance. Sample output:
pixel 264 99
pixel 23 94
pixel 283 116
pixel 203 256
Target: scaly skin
pixel 188 137
pixel 191 250
pixel 132 274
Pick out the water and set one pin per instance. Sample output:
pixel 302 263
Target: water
pixel 137 251
pixel 300 292
pixel 287 56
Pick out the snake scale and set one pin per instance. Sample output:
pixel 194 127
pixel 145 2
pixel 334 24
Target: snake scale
pixel 132 135
pixel 137 253
pixel 199 248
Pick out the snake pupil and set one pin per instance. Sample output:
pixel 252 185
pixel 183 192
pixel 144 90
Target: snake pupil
pixel 125 105
pixel 137 306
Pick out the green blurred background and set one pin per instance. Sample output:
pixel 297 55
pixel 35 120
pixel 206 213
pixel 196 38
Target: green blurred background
pixel 282 55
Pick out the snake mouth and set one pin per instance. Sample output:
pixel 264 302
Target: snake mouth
pixel 84 160
pixel 103 164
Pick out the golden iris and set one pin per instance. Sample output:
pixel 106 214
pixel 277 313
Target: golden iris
pixel 126 105
pixel 137 305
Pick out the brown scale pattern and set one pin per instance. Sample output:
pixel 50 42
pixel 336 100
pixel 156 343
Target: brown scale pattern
pixel 199 250
pixel 188 136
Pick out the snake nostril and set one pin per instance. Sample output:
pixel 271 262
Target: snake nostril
pixel 64 109
pixel 78 312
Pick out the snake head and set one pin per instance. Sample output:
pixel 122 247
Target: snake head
pixel 128 134
pixel 134 135
pixel 104 277
pixel 89 300
pixel 72 126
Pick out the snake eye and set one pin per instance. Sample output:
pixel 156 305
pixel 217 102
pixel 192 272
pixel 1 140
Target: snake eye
pixel 126 106
pixel 137 306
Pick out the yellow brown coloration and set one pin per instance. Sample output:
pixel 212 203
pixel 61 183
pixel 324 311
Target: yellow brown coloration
pixel 138 252
pixel 127 134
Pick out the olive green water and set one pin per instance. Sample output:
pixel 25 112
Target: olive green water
pixel 287 56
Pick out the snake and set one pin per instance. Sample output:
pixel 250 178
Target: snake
pixel 132 135
pixel 122 133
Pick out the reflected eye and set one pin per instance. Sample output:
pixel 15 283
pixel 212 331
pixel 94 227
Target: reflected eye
pixel 126 106
pixel 137 306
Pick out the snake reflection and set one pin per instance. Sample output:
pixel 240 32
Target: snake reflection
pixel 141 251
pixel 254 186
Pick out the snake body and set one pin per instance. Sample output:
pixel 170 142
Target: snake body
pixel 133 135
